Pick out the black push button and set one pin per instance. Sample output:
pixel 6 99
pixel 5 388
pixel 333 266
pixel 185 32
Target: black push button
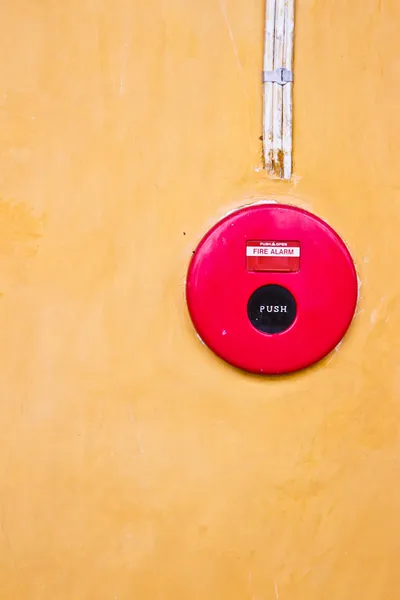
pixel 271 309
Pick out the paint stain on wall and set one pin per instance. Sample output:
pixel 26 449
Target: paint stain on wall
pixel 20 229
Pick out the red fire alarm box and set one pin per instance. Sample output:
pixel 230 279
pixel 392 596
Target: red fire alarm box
pixel 271 288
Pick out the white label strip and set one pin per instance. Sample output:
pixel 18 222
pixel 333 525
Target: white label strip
pixel 272 251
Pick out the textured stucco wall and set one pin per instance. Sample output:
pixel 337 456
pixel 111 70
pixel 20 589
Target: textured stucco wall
pixel 133 463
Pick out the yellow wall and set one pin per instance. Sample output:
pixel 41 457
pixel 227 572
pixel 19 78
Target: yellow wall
pixel 134 464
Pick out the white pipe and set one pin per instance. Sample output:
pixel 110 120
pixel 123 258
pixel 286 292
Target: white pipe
pixel 288 91
pixel 268 87
pixel 278 88
pixel 278 92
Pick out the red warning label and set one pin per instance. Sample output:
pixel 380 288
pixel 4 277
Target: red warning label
pixel 273 256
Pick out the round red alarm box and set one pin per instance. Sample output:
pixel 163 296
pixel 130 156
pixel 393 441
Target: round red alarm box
pixel 271 288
